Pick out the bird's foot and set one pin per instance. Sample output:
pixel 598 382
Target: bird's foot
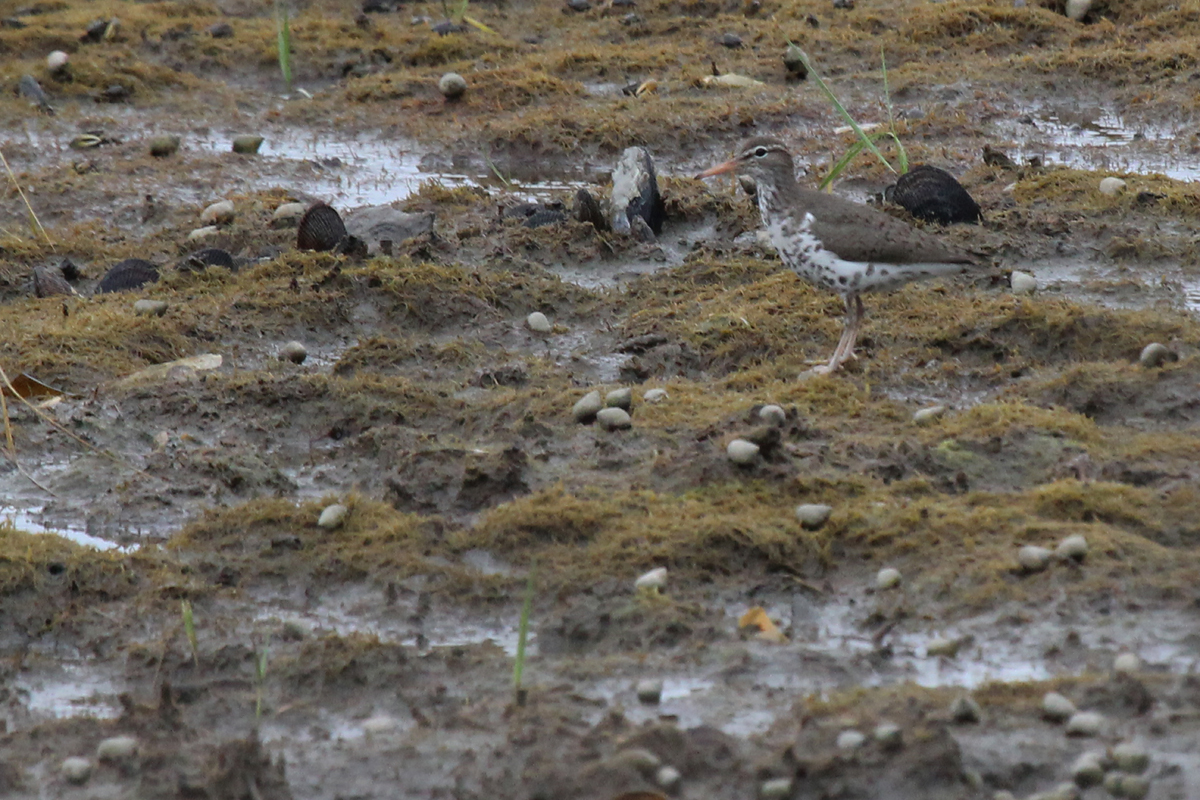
pixel 819 369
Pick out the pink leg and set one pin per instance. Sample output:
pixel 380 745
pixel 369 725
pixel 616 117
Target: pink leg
pixel 845 348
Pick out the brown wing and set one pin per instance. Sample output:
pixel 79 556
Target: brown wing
pixel 856 232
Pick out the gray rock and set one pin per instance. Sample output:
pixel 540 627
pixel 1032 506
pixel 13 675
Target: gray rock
pixel 117 748
pixel 538 323
pixel 1074 547
pixel 1085 723
pixel 294 352
pixel 965 709
pixel 887 578
pixel 586 408
pixel 775 789
pixel 850 740
pixel 668 777
pixel 164 146
pixel 1033 558
pixel 773 415
pixel 619 398
pixel 247 144
pixel 813 515
pixel 150 308
pixel 333 516
pixel 76 770
pixel 635 193
pixel 32 91
pixel 649 691
pixel 1154 355
pixel 741 452
pixel 1129 757
pixel 452 85
pixel 1057 708
pixel 1088 770
pixel 614 419
pixel 1022 282
pixel 375 224
pixel 889 736
pixel 655 395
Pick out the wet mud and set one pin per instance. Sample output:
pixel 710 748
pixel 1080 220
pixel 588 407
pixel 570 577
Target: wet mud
pixel 163 575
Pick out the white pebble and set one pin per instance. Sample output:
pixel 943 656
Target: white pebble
pixel 889 735
pixel 813 515
pixel 1022 282
pixel 117 748
pixel 965 709
pixel 218 213
pixel 1129 757
pixel 1057 708
pixel 1127 663
pixel 1132 786
pixel 150 308
pixel 654 579
pixel 452 85
pixel 667 777
pixel 619 398
pixel 587 407
pixel 54 62
pixel 1077 10
pixel 927 415
pixel 289 211
pixel 614 419
pixel 1085 723
pixel 203 234
pixel 655 395
pixel 1154 355
pixel 1074 546
pixel 775 789
pixel 380 724
pixel 1111 186
pixel 538 323
pixel 1088 770
pixel 943 647
pixel 332 516
pixel 1033 558
pixel 294 352
pixel 76 769
pixel 887 578
pixel 649 691
pixel 742 452
pixel 773 415
pixel 850 740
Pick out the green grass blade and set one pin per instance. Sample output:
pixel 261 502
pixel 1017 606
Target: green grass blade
pixel 523 631
pixel 284 41
pixel 189 628
pixel 901 153
pixel 824 87
pixel 260 675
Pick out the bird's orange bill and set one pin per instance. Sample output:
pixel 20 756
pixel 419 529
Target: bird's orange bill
pixel 719 169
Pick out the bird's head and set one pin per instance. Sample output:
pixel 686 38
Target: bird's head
pixel 761 158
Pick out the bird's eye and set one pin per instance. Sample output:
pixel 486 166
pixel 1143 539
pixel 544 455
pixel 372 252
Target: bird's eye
pixel 760 152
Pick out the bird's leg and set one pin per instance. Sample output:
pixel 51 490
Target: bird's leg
pixel 845 348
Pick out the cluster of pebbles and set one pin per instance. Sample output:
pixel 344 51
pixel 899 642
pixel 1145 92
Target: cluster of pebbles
pixel 120 751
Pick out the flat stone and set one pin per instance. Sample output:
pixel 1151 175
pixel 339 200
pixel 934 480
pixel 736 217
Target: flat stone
pixel 813 515
pixel 247 144
pixel 942 646
pixel 927 415
pixel 850 740
pixel 289 212
pixel 332 516
pixel 649 691
pixel 655 396
pixel 1119 784
pixel 1130 757
pixel 117 748
pixel 654 579
pixel 1085 723
pixel 203 234
pixel 614 419
pixel 379 724
pixel 150 308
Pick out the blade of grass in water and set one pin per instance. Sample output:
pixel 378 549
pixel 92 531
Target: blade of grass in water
pixel 284 41
pixel 845 160
pixel 870 145
pixel 523 634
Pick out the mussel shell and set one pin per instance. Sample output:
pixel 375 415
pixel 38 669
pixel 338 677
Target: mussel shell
pixel 209 257
pixel 933 195
pixel 126 275
pixel 545 216
pixel 351 246
pixel 321 228
pixel 587 209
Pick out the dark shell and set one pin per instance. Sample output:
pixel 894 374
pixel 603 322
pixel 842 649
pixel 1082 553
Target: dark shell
pixel 48 281
pixel 321 228
pixel 131 273
pixel 934 195
pixel 351 246
pixel 208 257
pixel 587 209
pixel 69 269
pixel 545 216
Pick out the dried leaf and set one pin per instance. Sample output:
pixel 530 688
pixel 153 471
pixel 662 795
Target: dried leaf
pixel 160 372
pixel 767 630
pixel 25 385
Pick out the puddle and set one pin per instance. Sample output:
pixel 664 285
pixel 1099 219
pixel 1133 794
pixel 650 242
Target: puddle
pixel 74 690
pixel 30 521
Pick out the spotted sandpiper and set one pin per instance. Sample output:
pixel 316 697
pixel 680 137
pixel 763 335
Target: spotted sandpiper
pixel 834 243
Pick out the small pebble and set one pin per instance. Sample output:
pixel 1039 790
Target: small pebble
pixel 1073 547
pixel 76 769
pixel 964 709
pixel 1133 786
pixel 889 735
pixel 887 578
pixel 1154 355
pixel 773 415
pixel 655 395
pixel 1111 186
pixel 1129 757
pixel 668 777
pixel 452 85
pixel 289 212
pixel 294 352
pixel 202 234
pixel 655 579
pixel 1127 663
pixel 614 419
pixel 619 398
pixel 150 308
pixel 649 691
pixel 55 62
pixel 944 647
pixel 741 452
pixel 379 724
pixel 927 415
pixel 247 144
pixel 812 515
pixel 850 740
pixel 332 516
pixel 1033 558
pixel 117 748
pixel 1057 708
pixel 163 146
pixel 1088 770
pixel 1085 723
pixel 538 323
pixel 220 30
pixel 1022 282
pixel 775 789
pixel 219 213
pixel 639 758
pixel 586 408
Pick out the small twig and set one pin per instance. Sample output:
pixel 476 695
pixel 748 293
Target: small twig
pixel 32 215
